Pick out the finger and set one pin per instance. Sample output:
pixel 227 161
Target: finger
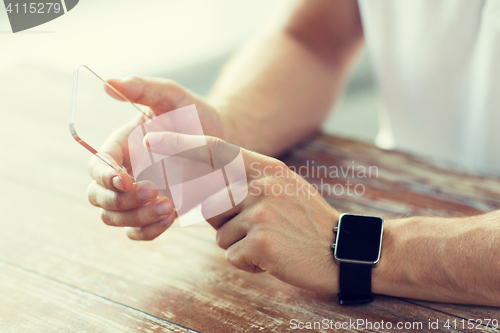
pixel 106 176
pixel 240 257
pixel 231 232
pixel 217 209
pixel 151 231
pixel 159 94
pixel 221 152
pixel 111 88
pixel 112 150
pixel 112 200
pixel 150 212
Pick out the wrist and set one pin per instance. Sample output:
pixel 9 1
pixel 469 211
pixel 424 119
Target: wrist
pixel 442 260
pixel 385 274
pixel 243 128
pixel 232 132
pixel 412 261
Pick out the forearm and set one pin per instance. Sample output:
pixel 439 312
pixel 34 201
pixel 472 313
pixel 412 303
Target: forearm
pixel 454 260
pixel 279 88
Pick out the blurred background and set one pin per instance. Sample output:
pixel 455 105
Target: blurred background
pixel 61 268
pixel 185 40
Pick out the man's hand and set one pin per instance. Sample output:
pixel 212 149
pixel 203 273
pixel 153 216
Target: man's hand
pixel 123 202
pixel 283 226
pixel 163 95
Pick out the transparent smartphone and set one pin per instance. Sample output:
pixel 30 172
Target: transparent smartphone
pixel 95 115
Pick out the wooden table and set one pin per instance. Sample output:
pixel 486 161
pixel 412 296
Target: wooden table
pixel 62 270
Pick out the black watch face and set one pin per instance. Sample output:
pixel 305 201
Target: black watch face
pixel 359 238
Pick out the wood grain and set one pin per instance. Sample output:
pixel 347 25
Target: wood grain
pixel 33 303
pixel 179 277
pixel 405 185
pixel 59 263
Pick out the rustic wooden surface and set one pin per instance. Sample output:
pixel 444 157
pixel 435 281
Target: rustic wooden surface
pixel 62 270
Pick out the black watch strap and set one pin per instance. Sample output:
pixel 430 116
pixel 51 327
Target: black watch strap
pixel 355 281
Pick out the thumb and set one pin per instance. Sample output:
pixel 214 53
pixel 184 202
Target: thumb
pixel 161 95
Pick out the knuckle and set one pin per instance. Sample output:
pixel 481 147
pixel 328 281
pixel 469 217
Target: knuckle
pixel 172 142
pixel 139 81
pixel 217 146
pixel 120 202
pixel 105 217
pixel 143 215
pixel 132 236
pixel 134 78
pixel 137 217
pixel 91 194
pixel 278 166
pixel 134 233
pixel 90 165
pixel 231 256
pixel 103 180
pixel 219 239
pixel 257 215
pixel 262 244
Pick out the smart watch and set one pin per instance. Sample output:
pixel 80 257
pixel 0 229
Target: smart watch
pixel 357 249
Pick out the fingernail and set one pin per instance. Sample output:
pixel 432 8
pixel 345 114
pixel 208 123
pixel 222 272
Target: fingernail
pixel 153 138
pixel 163 208
pixel 146 192
pixel 118 184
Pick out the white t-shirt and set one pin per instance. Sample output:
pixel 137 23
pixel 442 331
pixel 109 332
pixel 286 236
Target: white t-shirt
pixel 437 63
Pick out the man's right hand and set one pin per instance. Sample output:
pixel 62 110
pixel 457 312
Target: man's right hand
pixel 137 205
